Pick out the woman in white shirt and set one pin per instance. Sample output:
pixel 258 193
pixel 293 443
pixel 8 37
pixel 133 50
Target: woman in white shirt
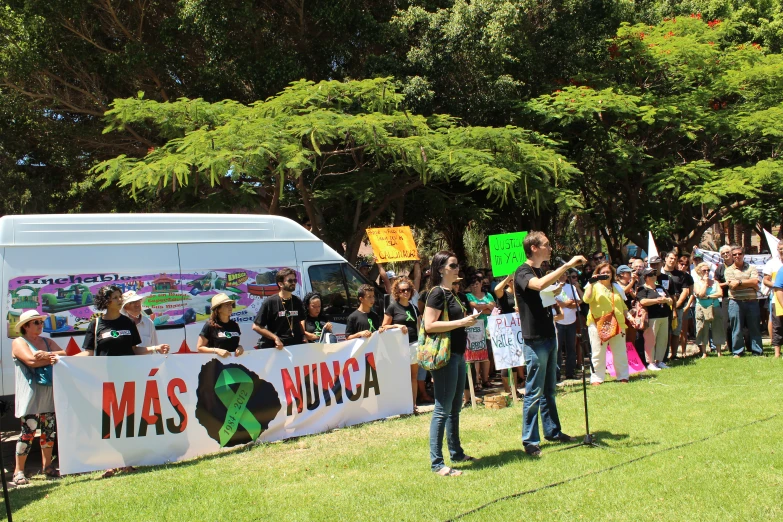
pixel 131 308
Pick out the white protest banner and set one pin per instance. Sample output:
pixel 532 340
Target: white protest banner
pixel 146 410
pixel 477 343
pixel 506 335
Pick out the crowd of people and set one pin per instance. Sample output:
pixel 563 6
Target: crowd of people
pixel 654 304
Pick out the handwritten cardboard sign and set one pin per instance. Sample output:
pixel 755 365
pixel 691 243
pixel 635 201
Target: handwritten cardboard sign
pixel 506 253
pixel 393 244
pixel 506 334
pixel 477 343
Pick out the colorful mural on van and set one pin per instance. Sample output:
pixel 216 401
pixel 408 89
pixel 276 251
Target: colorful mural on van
pixel 67 301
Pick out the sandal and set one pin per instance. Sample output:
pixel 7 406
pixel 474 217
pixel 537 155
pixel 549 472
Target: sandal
pixel 51 472
pixel 449 472
pixel 468 458
pixel 108 473
pixel 19 479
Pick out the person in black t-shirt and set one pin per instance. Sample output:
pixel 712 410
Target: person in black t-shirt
pixel 401 311
pixel 279 322
pixel 220 334
pixel 364 322
pixel 315 322
pixel 448 381
pixel 680 285
pixel 540 345
pixel 657 301
pixel 116 334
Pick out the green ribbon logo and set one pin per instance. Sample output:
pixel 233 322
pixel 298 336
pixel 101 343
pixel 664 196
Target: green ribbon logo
pixel 318 328
pixel 236 404
pixel 409 317
pixel 372 327
pixel 115 333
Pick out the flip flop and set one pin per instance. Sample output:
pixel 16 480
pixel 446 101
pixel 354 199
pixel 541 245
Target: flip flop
pixel 449 472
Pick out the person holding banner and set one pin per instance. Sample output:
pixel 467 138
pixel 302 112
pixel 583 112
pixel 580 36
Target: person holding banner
pixel 34 356
pixel 113 334
pixel 401 311
pixel 315 322
pixel 131 307
pixel 220 334
pixel 279 321
pixel 606 324
pixel 363 322
pixel 540 345
pixel 449 381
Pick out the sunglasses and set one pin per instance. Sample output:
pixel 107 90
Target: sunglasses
pixel 290 281
pixel 37 322
pixel 737 255
pixel 599 257
pixel 405 290
pixel 453 266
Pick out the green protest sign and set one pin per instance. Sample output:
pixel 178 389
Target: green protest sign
pixel 506 253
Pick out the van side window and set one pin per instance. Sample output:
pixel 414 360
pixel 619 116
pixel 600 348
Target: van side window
pixel 328 281
pixel 354 280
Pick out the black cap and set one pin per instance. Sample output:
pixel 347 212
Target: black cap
pixel 655 259
pixel 649 271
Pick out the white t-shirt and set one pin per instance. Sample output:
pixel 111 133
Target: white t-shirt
pixel 569 314
pixel 146 328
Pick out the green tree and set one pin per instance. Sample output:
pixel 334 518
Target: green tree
pixel 343 146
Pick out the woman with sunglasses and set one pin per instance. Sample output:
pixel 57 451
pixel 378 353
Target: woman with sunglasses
pixel 658 303
pixel 34 399
pixel 401 311
pixel 220 334
pixel 449 381
pixel 708 317
pixel 605 299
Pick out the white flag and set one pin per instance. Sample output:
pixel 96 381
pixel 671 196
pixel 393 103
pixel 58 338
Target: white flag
pixel 652 250
pixel 772 241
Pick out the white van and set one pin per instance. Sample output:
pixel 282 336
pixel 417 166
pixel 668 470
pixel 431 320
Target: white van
pixel 56 263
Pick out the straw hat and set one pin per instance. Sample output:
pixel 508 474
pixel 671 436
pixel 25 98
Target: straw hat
pixel 28 316
pixel 130 297
pixel 220 299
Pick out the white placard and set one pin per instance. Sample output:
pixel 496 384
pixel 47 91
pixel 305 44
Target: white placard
pixel 506 334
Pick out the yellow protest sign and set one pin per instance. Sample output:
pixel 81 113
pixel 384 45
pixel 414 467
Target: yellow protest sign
pixel 393 244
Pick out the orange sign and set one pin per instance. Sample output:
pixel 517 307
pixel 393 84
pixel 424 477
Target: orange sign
pixel 393 244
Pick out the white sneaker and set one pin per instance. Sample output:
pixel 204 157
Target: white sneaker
pixel 653 368
pixel 662 366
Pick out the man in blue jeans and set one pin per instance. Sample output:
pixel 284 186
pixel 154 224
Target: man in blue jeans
pixel 540 345
pixel 743 281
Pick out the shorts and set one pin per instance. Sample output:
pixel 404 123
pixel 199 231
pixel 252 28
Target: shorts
pixel 676 331
pixel 413 348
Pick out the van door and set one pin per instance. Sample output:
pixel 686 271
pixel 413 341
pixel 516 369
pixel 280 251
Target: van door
pixel 243 271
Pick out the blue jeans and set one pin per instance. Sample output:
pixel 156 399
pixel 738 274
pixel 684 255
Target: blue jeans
pixel 447 385
pixel 541 361
pixel 745 314
pixel 566 345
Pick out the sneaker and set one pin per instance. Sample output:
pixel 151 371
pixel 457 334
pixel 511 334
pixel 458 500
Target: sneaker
pixel 662 365
pixel 653 368
pixel 562 437
pixel 533 450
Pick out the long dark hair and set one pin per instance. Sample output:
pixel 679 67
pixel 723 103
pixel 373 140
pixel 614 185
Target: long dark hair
pixel 439 260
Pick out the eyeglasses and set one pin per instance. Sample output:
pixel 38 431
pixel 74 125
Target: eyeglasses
pixel 597 258
pixel 740 254
pixel 289 281
pixel 37 322
pixel 453 266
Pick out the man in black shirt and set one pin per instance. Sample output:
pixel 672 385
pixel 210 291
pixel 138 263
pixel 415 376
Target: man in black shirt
pixel 680 285
pixel 540 345
pixel 279 322
pixel 363 322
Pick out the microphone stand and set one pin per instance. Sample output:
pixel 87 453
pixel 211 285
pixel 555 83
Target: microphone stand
pixel 3 408
pixel 589 440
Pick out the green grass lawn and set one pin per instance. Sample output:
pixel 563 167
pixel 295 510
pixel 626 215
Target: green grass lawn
pixel 706 435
